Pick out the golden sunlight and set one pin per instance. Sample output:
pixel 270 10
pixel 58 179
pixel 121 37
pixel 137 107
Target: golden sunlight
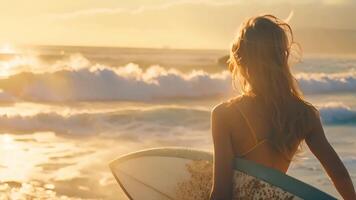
pixel 7 49
pixel 6 141
pixel 6 66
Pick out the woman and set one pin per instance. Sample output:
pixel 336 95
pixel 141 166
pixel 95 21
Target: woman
pixel 268 122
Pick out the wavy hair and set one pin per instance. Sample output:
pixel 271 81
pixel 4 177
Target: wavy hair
pixel 259 60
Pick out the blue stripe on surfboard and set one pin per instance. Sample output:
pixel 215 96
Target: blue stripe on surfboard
pixel 283 181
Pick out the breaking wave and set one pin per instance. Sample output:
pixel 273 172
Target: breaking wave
pixel 337 113
pixel 137 123
pixel 77 79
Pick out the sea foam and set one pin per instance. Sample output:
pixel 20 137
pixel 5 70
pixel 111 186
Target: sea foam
pixel 132 123
pixel 77 79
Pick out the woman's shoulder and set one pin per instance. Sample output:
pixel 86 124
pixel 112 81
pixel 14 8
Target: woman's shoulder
pixel 220 109
pixel 308 114
pixel 226 105
pixel 225 114
pixel 307 107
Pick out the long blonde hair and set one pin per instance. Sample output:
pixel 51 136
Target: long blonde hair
pixel 259 59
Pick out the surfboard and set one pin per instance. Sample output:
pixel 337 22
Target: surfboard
pixel 186 174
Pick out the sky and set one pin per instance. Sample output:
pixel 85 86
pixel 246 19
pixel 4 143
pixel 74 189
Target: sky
pixel 202 24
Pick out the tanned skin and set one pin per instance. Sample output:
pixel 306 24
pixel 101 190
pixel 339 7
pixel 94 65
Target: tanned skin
pixel 231 136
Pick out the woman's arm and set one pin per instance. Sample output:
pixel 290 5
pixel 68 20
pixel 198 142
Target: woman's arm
pixel 223 155
pixel 321 148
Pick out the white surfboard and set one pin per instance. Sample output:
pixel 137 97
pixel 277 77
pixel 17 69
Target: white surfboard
pixel 186 174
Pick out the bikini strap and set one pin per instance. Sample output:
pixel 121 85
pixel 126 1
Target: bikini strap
pixel 249 125
pixel 257 143
pixel 261 142
pixel 254 147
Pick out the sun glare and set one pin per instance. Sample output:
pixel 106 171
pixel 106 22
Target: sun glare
pixel 7 49
pixel 7 141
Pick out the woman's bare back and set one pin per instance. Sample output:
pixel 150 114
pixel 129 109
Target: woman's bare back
pixel 251 133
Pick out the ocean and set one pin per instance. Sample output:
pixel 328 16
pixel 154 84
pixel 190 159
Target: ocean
pixel 65 112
